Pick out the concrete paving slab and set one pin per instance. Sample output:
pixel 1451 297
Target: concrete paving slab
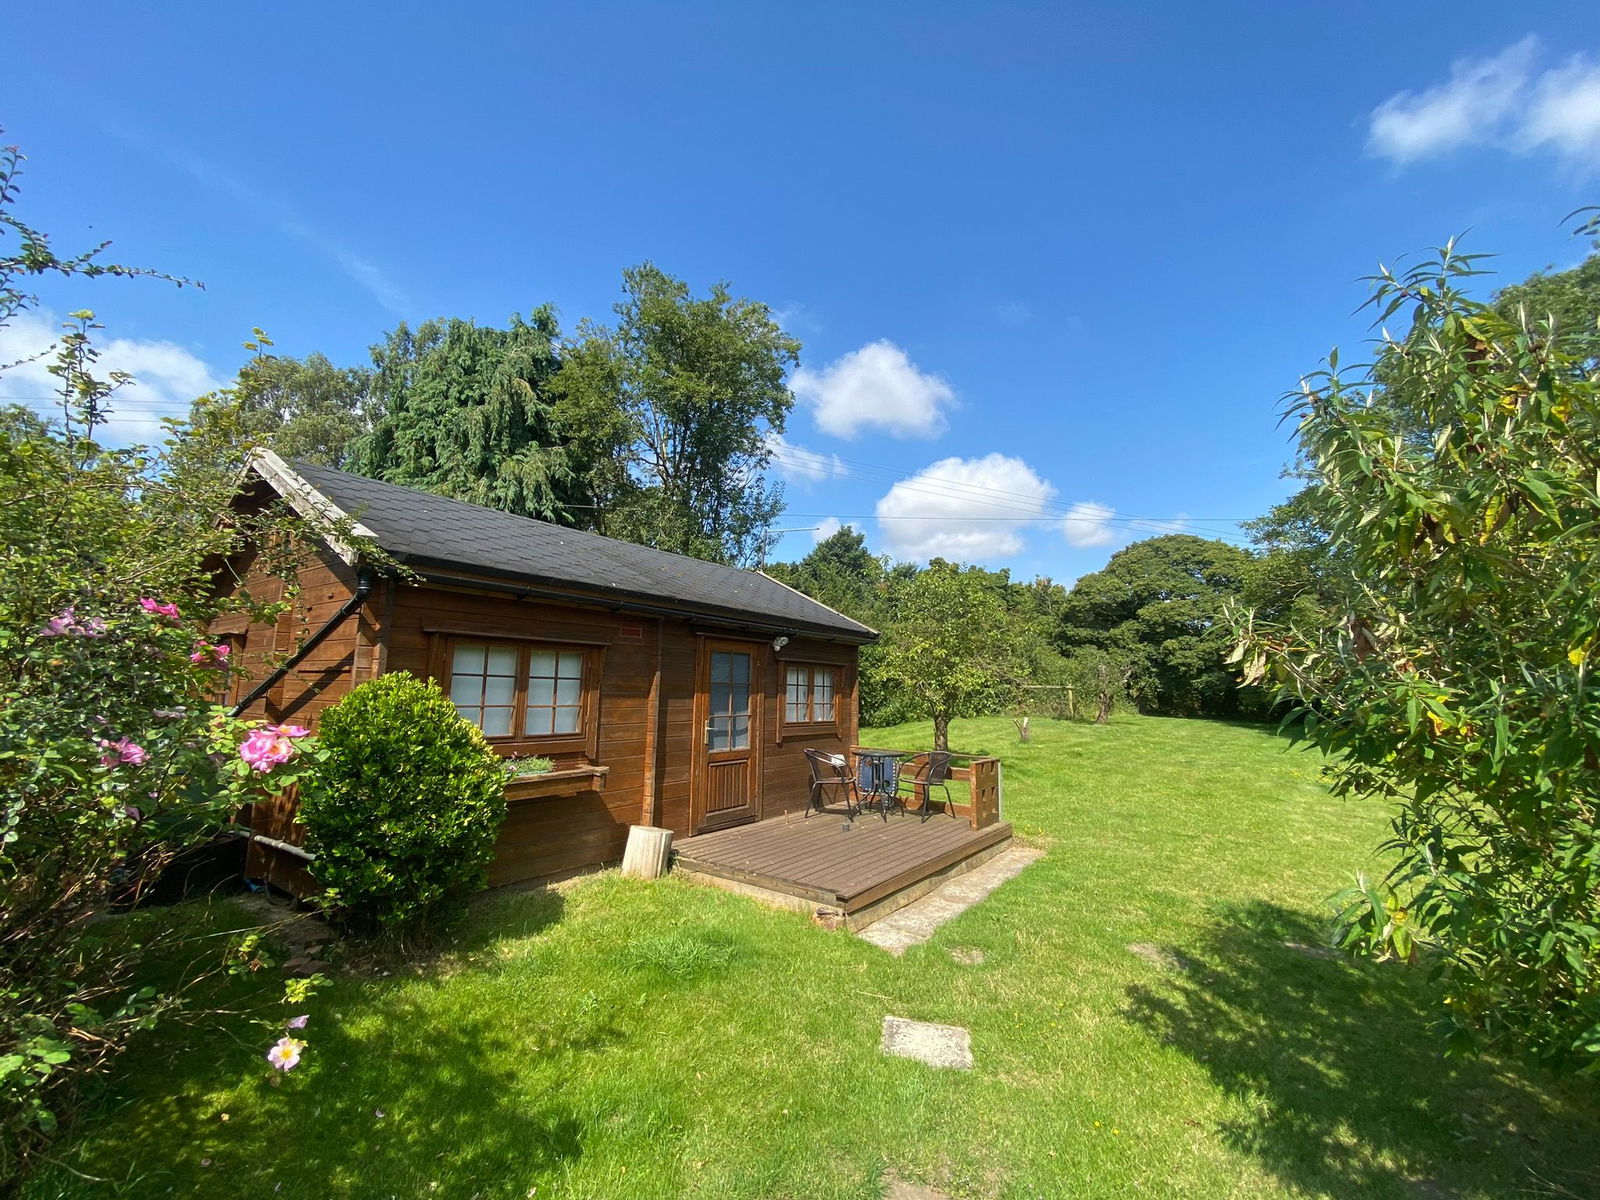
pixel 904 1189
pixel 937 1045
pixel 916 922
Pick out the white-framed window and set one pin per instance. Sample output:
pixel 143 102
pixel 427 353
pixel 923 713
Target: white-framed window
pixel 810 694
pixel 519 690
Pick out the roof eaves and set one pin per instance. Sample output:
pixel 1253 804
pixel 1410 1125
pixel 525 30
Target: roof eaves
pixel 820 604
pixel 647 602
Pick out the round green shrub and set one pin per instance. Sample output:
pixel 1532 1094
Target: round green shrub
pixel 403 813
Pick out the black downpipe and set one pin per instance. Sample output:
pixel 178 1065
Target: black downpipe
pixel 365 578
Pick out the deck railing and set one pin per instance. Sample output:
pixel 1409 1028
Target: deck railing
pixel 976 784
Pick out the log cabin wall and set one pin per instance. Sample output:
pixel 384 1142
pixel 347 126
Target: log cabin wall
pixel 631 763
pixel 321 584
pixel 786 776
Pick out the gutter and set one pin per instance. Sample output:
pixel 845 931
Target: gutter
pixel 365 578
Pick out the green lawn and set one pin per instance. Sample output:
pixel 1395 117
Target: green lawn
pixel 618 1038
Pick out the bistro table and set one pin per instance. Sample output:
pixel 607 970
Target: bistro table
pixel 878 778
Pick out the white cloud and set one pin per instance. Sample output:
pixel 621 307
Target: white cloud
pixel 963 509
pixel 1469 109
pixel 1503 101
pixel 1087 524
pixel 827 527
pixel 1565 112
pixel 166 378
pixel 799 465
pixel 876 385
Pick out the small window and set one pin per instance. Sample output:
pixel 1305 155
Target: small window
pixel 519 691
pixel 809 694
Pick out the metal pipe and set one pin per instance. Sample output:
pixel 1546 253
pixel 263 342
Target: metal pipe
pixel 364 582
pixel 299 852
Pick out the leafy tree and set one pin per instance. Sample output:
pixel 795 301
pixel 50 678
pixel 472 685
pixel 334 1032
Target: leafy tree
pixel 840 572
pixel 303 408
pixel 1159 605
pixel 464 410
pixel 1458 679
pixel 1099 681
pixel 952 646
pixel 1569 300
pixel 114 758
pixel 1300 572
pixel 668 415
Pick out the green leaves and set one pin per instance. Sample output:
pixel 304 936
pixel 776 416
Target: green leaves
pixel 668 416
pixel 403 813
pixel 1454 482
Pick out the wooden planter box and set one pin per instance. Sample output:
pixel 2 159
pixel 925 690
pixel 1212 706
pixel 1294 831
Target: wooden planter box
pixel 553 784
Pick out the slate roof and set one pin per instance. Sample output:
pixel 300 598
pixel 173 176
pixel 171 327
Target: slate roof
pixel 421 529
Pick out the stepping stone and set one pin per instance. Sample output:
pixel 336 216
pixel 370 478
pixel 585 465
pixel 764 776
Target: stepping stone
pixel 1325 952
pixel 904 1189
pixel 916 922
pixel 936 1045
pixel 1167 960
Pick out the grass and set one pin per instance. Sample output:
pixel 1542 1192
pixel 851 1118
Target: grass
pixel 620 1038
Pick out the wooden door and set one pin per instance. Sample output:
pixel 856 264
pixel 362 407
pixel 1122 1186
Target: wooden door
pixel 728 758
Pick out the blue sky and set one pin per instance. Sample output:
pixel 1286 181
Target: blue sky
pixel 1053 266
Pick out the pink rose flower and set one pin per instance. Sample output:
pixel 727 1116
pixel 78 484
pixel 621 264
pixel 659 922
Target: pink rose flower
pixel 156 608
pixel 269 746
pixel 286 1053
pixel 122 751
pixel 298 1022
pixel 66 621
pixel 211 656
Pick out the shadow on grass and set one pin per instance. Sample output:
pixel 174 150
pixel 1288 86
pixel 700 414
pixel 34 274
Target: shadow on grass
pixel 400 1089
pixel 1348 1095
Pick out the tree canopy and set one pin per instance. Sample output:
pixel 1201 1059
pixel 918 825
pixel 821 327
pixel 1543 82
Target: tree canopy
pixel 302 408
pixel 1159 604
pixel 464 410
pixel 668 413
pixel 952 645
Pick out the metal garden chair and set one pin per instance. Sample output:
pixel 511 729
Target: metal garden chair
pixel 831 771
pixel 933 773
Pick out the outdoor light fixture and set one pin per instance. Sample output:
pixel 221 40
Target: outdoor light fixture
pixel 779 642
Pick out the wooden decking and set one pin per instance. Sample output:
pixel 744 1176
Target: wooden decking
pixel 863 872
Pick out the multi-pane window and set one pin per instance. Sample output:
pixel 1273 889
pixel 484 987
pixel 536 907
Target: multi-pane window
pixel 728 719
pixel 518 691
pixel 808 694
pixel 555 691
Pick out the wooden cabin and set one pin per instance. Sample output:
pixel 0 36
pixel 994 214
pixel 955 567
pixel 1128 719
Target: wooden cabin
pixel 668 691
